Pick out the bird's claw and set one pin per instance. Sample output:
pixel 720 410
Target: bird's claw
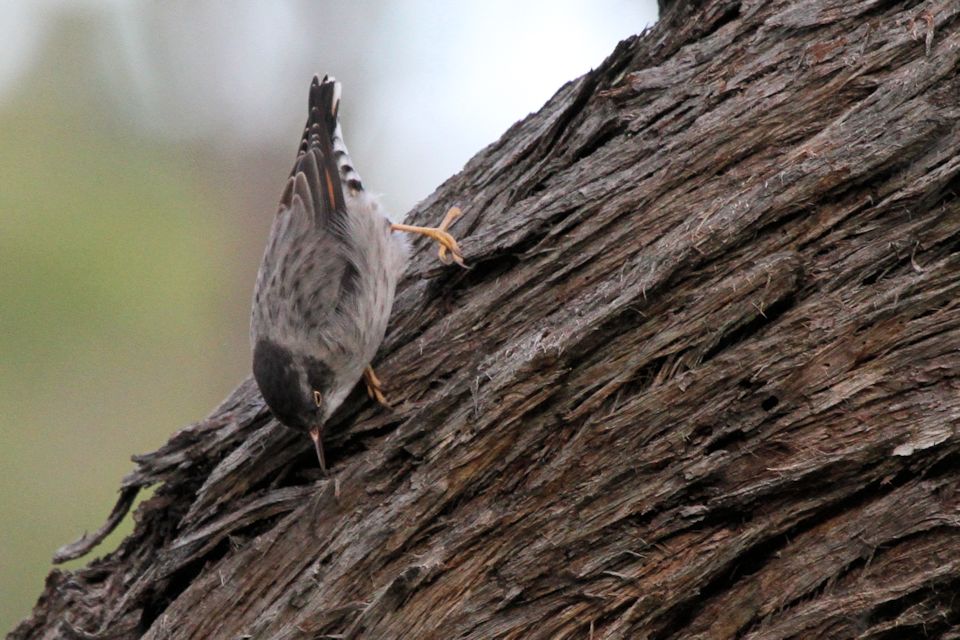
pixel 448 242
pixel 374 387
pixel 449 251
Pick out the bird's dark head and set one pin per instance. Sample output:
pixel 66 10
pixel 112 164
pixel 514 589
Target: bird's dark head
pixel 295 388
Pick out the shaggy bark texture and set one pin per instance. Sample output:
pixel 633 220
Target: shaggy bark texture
pixel 702 380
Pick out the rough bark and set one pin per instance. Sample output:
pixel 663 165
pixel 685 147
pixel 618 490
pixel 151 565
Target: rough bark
pixel 702 381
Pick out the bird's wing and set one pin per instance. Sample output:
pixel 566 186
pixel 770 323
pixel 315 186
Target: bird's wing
pixel 315 177
pixel 306 276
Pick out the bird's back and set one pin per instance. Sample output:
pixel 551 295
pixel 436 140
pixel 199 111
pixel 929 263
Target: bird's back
pixel 306 262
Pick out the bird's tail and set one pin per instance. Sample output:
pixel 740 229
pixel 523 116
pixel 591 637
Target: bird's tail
pixel 325 98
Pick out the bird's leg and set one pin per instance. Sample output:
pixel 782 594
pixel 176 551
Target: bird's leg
pixel 440 235
pixel 318 445
pixel 374 387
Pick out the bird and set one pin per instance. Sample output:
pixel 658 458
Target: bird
pixel 327 279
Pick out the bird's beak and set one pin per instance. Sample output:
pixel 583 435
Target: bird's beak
pixel 318 445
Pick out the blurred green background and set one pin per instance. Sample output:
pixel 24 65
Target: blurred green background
pixel 143 147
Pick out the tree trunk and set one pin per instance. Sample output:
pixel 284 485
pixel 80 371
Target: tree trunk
pixel 701 381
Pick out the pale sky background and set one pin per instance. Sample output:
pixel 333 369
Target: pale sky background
pixel 440 80
pixel 143 147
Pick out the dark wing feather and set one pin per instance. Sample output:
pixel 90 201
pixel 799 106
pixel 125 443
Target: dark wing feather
pixel 315 176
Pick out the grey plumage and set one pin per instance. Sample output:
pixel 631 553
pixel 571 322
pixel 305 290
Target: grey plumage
pixel 327 280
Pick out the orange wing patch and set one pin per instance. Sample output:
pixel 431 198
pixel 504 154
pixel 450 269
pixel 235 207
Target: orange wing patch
pixel 330 188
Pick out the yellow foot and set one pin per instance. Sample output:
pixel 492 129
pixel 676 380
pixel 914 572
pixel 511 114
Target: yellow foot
pixel 374 387
pixel 440 235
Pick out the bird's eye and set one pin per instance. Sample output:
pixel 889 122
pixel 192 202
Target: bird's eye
pixel 318 398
